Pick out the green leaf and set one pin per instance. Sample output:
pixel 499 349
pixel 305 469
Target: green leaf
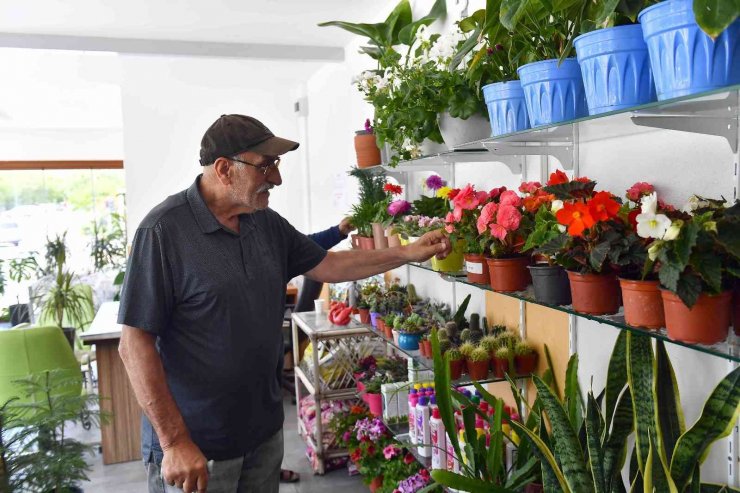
pixel 442 391
pixel 717 488
pixel 572 397
pixel 597 255
pixel 640 377
pixel 546 455
pixel 615 451
pixel 605 10
pixel 459 316
pixel 466 48
pixel 669 275
pixel 713 16
pixel 709 266
pixel 668 400
pixel 399 18
pixel 567 446
pixel 688 289
pixel 594 426
pixel 685 243
pixel 719 415
pixel 616 377
pixel 408 33
pixel 368 30
pixel 464 483
pixel 512 11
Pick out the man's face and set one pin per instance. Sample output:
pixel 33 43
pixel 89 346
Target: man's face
pixel 251 186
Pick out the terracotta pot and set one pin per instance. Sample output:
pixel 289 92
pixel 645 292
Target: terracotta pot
pixel 643 305
pixel 394 239
pixel 478 370
pixel 509 274
pixel 476 268
pixel 379 323
pixel 500 367
pixel 375 403
pixel 388 332
pixel 363 242
pixel 595 294
pixel 456 369
pixel 525 364
pixel 376 483
pixel 366 148
pixel 364 315
pixel 707 322
pixel 379 239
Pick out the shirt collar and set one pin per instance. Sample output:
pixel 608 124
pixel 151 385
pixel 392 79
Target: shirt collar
pixel 205 218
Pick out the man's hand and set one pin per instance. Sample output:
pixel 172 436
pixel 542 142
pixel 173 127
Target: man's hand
pixel 184 466
pixel 346 226
pixel 432 243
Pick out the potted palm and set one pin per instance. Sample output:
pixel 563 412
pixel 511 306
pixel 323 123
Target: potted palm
pixel 370 193
pixel 20 270
pixel 698 258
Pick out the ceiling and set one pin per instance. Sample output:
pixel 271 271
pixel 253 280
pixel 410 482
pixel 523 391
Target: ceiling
pixel 265 22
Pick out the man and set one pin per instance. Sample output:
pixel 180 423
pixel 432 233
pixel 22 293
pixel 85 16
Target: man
pixel 202 307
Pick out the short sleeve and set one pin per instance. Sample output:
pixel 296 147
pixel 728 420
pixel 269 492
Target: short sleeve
pixel 303 253
pixel 147 292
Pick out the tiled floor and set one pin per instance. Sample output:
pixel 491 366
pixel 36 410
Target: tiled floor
pixel 131 478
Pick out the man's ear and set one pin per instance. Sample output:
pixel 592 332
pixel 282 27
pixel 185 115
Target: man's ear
pixel 223 169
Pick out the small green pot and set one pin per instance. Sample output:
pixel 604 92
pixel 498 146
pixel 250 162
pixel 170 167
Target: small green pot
pixel 453 262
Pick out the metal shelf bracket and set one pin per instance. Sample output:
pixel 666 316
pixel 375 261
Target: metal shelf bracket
pixel 511 153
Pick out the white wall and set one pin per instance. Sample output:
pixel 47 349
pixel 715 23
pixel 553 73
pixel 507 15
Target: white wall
pixel 169 102
pixel 677 163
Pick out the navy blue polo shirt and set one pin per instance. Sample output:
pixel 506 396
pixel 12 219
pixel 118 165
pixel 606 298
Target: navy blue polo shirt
pixel 215 301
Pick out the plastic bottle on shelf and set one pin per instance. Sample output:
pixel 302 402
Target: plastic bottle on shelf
pixel 475 400
pixel 423 435
pixel 433 402
pixel 412 415
pixel 439 440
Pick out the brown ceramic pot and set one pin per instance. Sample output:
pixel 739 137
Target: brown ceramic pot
pixel 379 239
pixel 500 367
pixel 595 294
pixel 456 369
pixel 525 364
pixel 478 370
pixel 509 274
pixel 643 305
pixel 380 324
pixel 707 322
pixel 427 347
pixel 393 239
pixel 388 332
pixel 364 315
pixel 476 268
pixel 366 148
pixel 366 242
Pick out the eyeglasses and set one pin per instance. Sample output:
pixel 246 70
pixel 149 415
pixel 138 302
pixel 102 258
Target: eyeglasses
pixel 265 167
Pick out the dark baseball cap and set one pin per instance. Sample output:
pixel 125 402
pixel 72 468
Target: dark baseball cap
pixel 233 134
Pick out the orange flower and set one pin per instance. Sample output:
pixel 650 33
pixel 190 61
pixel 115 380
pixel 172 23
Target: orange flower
pixel 533 202
pixel 602 206
pixel 576 217
pixel 557 178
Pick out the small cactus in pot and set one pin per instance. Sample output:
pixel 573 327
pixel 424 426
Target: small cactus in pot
pixel 477 362
pixel 525 358
pixel 501 361
pixel 456 361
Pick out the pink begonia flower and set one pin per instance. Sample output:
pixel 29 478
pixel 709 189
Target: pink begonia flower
pixel 390 451
pixel 482 197
pixel 466 198
pixel 510 197
pixel 638 190
pixel 498 231
pixel 486 216
pixel 530 187
pixel 450 228
pixel 457 214
pixel 509 217
pixel 496 192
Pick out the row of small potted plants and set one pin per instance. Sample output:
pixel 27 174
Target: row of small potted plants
pixel 575 244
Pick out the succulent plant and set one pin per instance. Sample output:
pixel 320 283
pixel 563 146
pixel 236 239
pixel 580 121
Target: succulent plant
pixel 475 335
pixel 489 344
pixel 485 325
pixel 507 339
pixel 479 354
pixel 411 294
pixel 466 348
pixel 398 322
pixel 474 322
pixel 465 335
pixel 523 348
pixel 442 335
pixel 451 328
pixel 503 353
pixel 498 329
pixel 454 354
pixel 444 345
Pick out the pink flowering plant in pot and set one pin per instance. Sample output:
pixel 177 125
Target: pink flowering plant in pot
pixel 461 222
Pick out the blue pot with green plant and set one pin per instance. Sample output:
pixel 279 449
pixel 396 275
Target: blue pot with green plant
pixel 615 66
pixel 684 57
pixel 507 108
pixel 553 91
pixel 408 341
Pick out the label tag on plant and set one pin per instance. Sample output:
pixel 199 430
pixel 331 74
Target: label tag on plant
pixel 474 267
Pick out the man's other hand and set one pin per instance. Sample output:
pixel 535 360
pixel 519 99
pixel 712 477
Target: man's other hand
pixel 184 466
pixel 346 226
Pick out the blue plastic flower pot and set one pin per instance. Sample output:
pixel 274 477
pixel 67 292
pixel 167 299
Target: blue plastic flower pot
pixel 616 68
pixel 409 342
pixel 507 110
pixel 553 94
pixel 684 59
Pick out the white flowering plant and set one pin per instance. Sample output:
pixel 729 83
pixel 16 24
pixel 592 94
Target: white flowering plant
pixel 695 250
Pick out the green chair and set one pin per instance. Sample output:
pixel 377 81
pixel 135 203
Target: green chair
pixel 29 350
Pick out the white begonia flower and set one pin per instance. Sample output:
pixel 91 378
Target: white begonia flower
pixel 652 225
pixel 562 228
pixel 655 249
pixel 556 206
pixel 649 204
pixel 673 231
pixel 692 204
